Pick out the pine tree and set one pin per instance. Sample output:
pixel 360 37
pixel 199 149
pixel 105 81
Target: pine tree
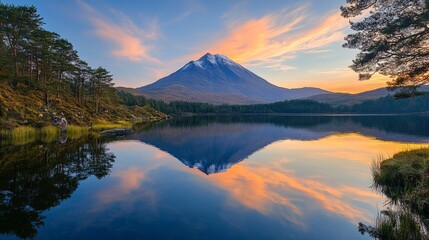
pixel 393 38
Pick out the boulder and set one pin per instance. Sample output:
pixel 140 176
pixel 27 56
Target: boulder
pixel 61 122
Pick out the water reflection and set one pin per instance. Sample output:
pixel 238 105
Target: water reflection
pixel 214 144
pixel 37 177
pixel 276 178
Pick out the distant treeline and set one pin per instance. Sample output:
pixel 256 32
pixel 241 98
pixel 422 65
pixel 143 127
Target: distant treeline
pixel 42 60
pixel 382 105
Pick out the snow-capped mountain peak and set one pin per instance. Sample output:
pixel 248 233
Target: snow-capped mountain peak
pixel 210 60
pixel 215 78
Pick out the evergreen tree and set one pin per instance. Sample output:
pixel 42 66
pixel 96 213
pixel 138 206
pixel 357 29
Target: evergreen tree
pixel 17 23
pixel 393 39
pixel 101 82
pixel 44 61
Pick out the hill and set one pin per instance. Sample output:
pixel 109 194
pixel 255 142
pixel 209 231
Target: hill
pixel 336 99
pixel 26 107
pixel 383 105
pixel 217 79
pixel 42 76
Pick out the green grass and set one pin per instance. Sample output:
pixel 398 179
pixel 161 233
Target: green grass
pixel 23 135
pixel 4 133
pixel 404 179
pixel 74 132
pixel 400 224
pixel 103 125
pixel 49 133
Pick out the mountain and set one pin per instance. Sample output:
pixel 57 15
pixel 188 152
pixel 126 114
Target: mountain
pixel 336 99
pixel 217 79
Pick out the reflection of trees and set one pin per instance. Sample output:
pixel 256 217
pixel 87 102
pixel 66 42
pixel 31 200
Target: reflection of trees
pixel 404 124
pixel 34 178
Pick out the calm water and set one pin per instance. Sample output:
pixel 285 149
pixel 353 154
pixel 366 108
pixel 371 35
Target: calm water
pixel 205 178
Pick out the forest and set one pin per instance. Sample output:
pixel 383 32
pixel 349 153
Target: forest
pixel 31 56
pixel 42 76
pixel 384 105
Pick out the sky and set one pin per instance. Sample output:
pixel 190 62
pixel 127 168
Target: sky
pixel 290 43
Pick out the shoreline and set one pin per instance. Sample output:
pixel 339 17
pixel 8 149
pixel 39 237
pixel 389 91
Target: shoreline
pixel 27 134
pixel 304 114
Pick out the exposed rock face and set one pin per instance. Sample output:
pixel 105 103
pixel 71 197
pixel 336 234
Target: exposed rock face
pixel 61 122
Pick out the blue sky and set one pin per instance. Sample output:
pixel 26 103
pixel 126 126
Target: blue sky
pixel 289 43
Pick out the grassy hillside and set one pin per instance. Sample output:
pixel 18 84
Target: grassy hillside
pixel 42 76
pixel 26 107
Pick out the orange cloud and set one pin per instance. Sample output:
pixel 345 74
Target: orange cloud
pixel 263 188
pixel 277 37
pixel 129 180
pixel 130 41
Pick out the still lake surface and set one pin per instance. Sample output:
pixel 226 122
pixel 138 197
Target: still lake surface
pixel 226 177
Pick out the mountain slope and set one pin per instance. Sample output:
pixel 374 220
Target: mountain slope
pixel 336 99
pixel 217 79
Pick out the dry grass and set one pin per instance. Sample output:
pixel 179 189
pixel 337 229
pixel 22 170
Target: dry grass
pixel 49 133
pixel 74 132
pixel 104 125
pixel 25 106
pixel 23 135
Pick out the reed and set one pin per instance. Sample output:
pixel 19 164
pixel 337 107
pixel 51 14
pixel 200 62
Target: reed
pixel 102 125
pixel 74 131
pixel 399 224
pixel 49 133
pixel 23 135
pixel 4 133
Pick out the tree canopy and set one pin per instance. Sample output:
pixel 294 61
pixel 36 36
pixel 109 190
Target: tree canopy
pixel 393 39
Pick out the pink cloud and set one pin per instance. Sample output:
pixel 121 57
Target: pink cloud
pixel 130 41
pixel 270 40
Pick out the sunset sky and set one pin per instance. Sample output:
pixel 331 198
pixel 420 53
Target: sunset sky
pixel 289 43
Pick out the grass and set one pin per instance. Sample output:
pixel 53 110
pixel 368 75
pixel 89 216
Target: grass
pixel 404 179
pixel 23 135
pixel 400 224
pixel 4 133
pixel 74 131
pixel 28 104
pixel 104 125
pixel 49 133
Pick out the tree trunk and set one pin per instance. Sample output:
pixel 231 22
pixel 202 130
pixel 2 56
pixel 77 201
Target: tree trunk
pixel 97 104
pixel 47 98
pixel 37 69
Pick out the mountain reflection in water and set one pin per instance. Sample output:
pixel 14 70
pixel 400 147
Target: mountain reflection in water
pixel 214 144
pixel 276 177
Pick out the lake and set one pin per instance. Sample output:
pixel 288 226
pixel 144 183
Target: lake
pixel 224 177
